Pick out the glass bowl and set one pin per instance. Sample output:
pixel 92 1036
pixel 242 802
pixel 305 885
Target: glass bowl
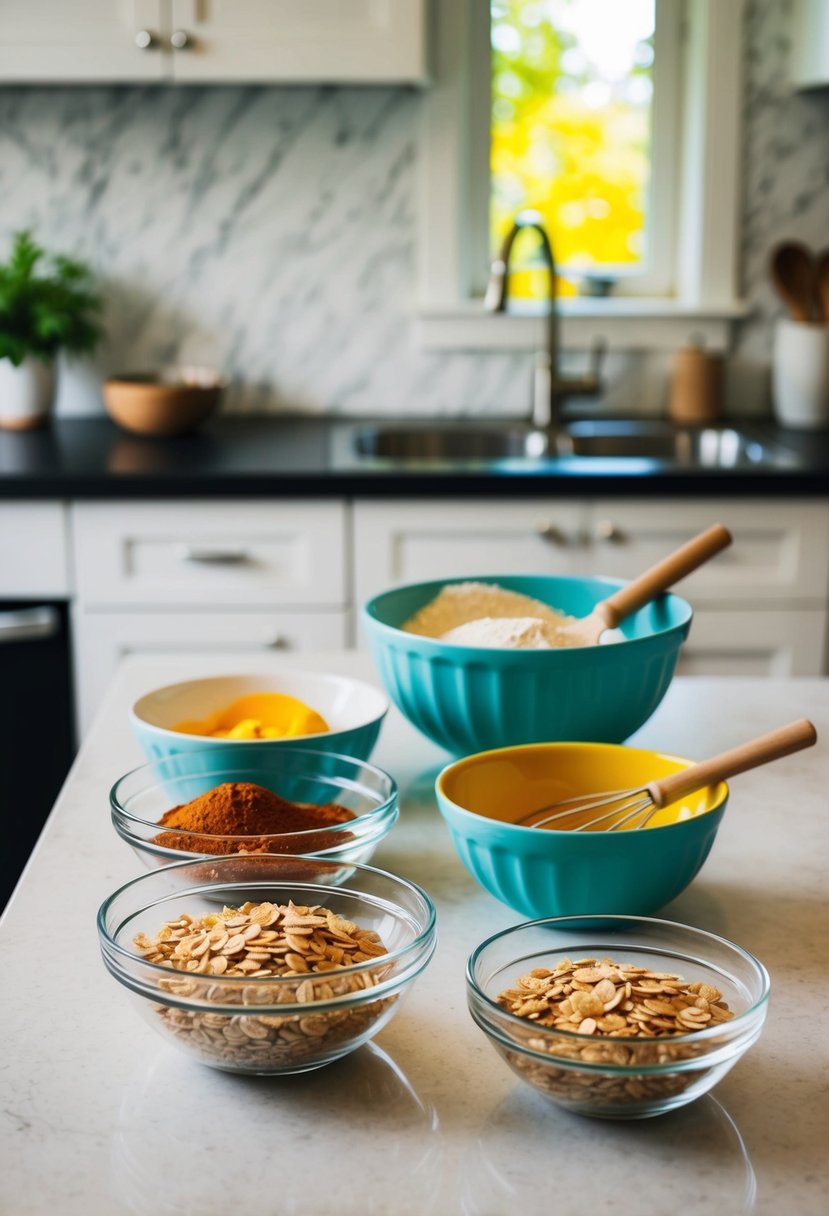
pixel 274 1024
pixel 618 1078
pixel 141 797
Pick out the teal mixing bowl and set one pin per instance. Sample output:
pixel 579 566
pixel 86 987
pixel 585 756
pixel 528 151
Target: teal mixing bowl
pixel 545 872
pixel 470 698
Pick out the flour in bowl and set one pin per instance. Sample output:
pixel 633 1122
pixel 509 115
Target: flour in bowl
pixel 484 614
pixel 512 632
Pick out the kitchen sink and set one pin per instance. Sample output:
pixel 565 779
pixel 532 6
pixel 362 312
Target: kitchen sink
pixel 654 441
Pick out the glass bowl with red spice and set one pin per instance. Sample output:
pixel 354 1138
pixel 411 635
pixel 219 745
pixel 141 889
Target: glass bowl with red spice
pixel 263 964
pixel 300 803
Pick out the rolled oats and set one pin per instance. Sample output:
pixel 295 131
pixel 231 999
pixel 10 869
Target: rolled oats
pixel 628 1017
pixel 260 941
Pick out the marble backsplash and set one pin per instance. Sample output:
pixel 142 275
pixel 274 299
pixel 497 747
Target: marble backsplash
pixel 271 232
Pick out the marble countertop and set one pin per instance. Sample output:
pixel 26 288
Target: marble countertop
pixel 101 1116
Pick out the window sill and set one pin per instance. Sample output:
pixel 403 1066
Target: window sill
pixel 625 323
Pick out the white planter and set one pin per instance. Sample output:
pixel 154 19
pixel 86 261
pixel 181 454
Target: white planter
pixel 800 374
pixel 26 393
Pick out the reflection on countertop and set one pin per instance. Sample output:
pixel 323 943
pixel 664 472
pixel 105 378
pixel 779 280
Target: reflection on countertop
pixel 297 456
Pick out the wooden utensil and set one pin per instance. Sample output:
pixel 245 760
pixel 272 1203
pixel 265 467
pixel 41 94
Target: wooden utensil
pixel 623 807
pixel 608 613
pixel 792 270
pixel 822 286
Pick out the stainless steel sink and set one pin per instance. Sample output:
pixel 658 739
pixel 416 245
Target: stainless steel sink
pixel 653 441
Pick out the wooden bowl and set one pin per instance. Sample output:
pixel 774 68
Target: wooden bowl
pixel 169 402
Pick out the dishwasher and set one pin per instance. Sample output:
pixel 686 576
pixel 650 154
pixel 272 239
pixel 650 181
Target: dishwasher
pixel 36 725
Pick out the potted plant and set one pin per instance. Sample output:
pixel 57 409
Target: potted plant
pixel 48 304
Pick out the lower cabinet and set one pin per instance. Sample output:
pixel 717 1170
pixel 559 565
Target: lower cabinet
pixel 102 639
pixel 760 606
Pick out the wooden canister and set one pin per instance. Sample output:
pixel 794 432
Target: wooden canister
pixel 695 395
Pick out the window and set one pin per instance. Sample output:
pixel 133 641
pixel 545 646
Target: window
pixel 570 134
pixel 663 228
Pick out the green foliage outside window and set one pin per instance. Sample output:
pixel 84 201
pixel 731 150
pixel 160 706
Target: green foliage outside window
pixel 571 114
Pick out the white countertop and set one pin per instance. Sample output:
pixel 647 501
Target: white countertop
pixel 101 1117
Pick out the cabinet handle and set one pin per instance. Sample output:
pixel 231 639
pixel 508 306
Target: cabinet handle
pixel 608 531
pixel 217 557
pixel 180 40
pixel 28 624
pixel 145 40
pixel 279 643
pixel 550 533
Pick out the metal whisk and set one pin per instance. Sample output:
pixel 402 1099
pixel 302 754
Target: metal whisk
pixel 638 805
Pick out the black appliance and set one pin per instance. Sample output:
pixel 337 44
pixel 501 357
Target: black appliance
pixel 36 725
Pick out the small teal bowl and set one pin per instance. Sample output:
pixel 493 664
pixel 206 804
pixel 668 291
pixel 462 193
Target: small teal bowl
pixel 353 709
pixel 545 872
pixel 470 698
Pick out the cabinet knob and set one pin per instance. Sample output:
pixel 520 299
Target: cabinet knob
pixel 550 533
pixel 145 40
pixel 608 531
pixel 180 40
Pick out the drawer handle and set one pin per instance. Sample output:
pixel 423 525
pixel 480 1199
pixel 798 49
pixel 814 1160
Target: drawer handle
pixel 217 557
pixel 28 624
pixel 608 531
pixel 551 533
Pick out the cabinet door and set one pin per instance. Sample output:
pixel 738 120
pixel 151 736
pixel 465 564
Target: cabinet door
pixel 413 541
pixel 780 550
pixel 756 642
pixel 33 550
pixel 102 639
pixel 315 40
pixel 56 42
pixel 208 554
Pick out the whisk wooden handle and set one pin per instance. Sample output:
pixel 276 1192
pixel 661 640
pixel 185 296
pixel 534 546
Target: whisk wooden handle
pixel 778 743
pixel 663 575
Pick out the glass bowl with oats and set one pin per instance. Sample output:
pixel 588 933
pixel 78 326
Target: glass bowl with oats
pixel 618 1017
pixel 255 964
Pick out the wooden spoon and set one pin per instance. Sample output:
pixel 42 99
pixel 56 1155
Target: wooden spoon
pixel 792 270
pixel 608 613
pixel 822 286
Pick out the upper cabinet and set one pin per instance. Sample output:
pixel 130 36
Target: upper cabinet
pixel 213 41
pixel 53 42
pixel 810 44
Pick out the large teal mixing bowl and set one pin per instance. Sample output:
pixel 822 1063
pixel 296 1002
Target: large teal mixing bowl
pixel 470 698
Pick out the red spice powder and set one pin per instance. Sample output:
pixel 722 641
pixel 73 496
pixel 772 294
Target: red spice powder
pixel 242 809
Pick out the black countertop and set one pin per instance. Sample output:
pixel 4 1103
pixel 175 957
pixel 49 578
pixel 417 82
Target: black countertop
pixel 282 457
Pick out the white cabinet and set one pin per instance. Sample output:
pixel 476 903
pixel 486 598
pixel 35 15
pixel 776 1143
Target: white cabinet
pixel 345 41
pixel 198 576
pixel 103 638
pixel 55 41
pixel 809 44
pixel 203 554
pixel 213 41
pixel 760 606
pixel 33 551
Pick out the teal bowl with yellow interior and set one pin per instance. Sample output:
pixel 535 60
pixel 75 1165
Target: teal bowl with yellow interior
pixel 561 871
pixel 471 698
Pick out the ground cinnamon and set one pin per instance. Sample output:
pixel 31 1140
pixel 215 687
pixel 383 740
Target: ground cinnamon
pixel 215 821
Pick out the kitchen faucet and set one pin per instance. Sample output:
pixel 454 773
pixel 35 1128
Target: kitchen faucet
pixel 550 389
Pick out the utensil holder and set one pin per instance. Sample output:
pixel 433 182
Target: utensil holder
pixel 800 374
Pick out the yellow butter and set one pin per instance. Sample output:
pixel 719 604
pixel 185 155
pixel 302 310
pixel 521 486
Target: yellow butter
pixel 259 715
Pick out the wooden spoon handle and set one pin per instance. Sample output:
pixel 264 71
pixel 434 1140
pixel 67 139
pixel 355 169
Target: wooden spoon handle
pixel 778 743
pixel 663 575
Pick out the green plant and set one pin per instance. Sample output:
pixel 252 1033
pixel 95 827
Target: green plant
pixel 47 303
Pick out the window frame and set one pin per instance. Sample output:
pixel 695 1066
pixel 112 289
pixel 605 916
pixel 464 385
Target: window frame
pixel 695 179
